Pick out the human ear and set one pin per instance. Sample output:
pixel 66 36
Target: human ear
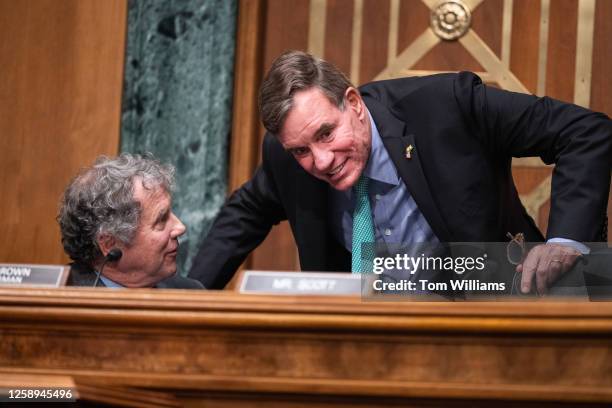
pixel 353 101
pixel 106 243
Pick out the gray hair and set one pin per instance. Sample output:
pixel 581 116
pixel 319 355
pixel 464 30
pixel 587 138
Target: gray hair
pixel 295 71
pixel 100 201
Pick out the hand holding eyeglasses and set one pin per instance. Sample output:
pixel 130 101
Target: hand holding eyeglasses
pixel 547 262
pixel 542 265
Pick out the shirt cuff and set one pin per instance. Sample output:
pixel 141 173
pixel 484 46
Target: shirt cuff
pixel 578 246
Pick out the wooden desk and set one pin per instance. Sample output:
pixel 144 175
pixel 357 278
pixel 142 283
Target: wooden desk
pixel 221 349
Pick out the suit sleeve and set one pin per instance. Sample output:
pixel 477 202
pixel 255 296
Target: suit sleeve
pixel 241 225
pixel 578 141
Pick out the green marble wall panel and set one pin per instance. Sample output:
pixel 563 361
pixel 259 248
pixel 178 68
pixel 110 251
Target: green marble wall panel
pixel 177 101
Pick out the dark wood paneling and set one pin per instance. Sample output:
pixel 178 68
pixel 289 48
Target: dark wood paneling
pixel 487 23
pixel 525 37
pixel 543 215
pixel 244 148
pixel 601 85
pixel 414 19
pixel 286 28
pixel 448 56
pixel 60 102
pixel 278 252
pixel 561 64
pixel 338 33
pixel 529 177
pixel 374 39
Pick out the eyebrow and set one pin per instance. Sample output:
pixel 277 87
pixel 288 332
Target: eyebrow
pixel 324 128
pixel 161 215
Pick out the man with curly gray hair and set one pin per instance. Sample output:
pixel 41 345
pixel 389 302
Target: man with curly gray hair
pixel 118 227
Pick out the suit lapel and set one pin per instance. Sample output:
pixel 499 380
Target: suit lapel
pixel 397 137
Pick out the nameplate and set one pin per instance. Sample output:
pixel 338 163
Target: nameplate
pixel 300 283
pixel 33 275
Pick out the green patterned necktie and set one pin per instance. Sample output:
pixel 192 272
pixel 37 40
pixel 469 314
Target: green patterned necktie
pixel 363 229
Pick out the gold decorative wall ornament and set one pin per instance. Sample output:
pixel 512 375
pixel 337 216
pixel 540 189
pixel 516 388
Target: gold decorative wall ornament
pixel 450 19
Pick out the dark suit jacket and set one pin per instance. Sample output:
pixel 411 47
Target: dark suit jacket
pixel 81 275
pixel 464 136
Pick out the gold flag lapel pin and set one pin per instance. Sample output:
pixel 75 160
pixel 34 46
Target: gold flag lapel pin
pixel 409 150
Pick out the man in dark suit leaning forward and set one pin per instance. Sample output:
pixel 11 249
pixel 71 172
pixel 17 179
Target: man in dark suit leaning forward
pixel 118 227
pixel 432 157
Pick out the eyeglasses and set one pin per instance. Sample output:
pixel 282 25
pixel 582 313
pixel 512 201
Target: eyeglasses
pixel 515 252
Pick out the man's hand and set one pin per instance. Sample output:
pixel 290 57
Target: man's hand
pixel 546 262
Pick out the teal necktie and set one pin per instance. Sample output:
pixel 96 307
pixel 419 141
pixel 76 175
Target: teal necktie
pixel 363 229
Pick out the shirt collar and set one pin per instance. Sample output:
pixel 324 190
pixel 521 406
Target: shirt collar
pixel 380 167
pixel 110 283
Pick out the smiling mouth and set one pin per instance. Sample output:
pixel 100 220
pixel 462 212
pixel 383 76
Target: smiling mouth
pixel 336 170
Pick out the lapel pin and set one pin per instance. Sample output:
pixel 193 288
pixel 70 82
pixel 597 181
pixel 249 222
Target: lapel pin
pixel 409 150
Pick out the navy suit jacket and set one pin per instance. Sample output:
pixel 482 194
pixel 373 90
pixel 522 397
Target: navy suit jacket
pixel 464 135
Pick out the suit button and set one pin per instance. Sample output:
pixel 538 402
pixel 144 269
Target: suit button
pixel 388 232
pixel 378 196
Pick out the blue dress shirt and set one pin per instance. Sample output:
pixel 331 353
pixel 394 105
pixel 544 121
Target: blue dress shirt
pixel 397 219
pixel 110 283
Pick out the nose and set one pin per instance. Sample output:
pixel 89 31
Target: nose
pixel 322 158
pixel 179 228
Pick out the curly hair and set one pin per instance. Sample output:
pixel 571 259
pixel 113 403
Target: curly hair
pixel 100 201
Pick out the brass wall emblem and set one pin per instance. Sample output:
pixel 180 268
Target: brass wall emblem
pixel 450 19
